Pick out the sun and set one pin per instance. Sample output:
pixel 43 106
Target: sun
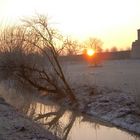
pixel 90 52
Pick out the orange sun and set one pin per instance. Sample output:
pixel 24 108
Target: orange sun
pixel 90 52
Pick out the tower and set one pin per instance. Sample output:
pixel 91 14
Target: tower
pixel 135 53
pixel 138 34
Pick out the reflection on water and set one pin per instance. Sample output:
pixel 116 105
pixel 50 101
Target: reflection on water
pixel 69 125
pixel 72 126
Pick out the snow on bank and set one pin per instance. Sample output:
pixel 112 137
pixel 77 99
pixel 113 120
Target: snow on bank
pixel 117 108
pixel 14 126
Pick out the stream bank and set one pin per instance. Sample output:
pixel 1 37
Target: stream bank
pixel 15 126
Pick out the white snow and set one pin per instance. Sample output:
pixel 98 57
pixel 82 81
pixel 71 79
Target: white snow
pixel 119 75
pixel 118 85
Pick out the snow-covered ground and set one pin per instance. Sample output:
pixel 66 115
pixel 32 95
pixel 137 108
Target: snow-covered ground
pixel 111 92
pixel 15 126
pixel 118 84
pixel 120 75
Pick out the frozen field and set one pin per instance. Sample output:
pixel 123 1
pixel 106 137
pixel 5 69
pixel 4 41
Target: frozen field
pixel 123 75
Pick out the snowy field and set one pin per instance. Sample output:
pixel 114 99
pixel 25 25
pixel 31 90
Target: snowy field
pixel 122 75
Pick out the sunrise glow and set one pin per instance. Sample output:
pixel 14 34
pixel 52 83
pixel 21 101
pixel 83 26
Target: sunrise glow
pixel 111 21
pixel 90 52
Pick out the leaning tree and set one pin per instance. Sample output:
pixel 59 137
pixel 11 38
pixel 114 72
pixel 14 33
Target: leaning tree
pixel 31 54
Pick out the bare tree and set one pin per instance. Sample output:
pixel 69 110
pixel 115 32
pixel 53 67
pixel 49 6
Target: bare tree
pixel 15 53
pixel 71 47
pixel 114 49
pixel 95 44
pixel 39 37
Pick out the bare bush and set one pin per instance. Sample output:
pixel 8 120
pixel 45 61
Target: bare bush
pixel 14 54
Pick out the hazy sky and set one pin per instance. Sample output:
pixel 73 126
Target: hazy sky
pixel 115 22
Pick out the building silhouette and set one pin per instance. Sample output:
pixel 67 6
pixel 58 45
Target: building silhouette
pixel 135 53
